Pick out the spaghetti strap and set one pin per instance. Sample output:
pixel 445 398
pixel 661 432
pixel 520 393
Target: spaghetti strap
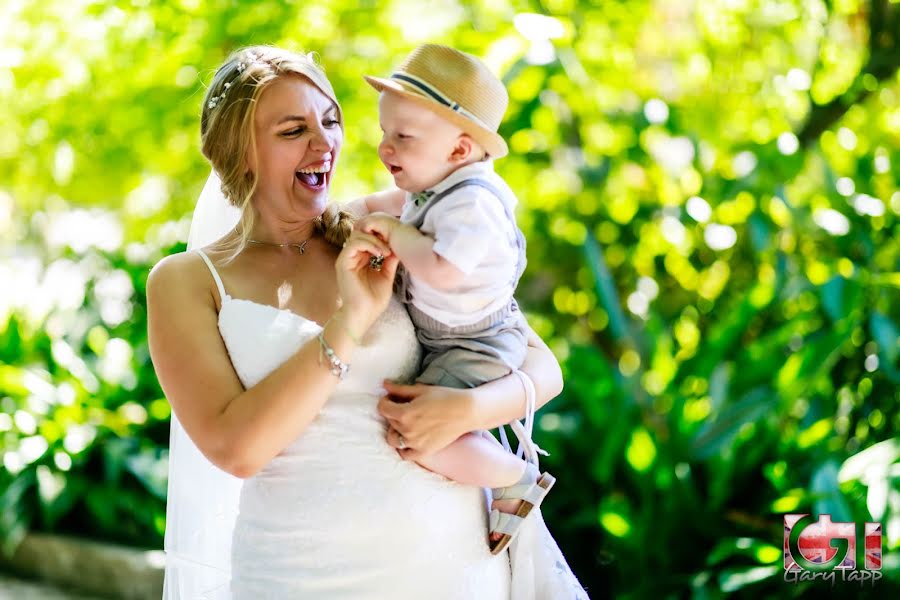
pixel 215 274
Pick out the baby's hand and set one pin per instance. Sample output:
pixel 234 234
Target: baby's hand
pixel 379 224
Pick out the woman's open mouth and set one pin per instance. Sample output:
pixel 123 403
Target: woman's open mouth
pixel 314 178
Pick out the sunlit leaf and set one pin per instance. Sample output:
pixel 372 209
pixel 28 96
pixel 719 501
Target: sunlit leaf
pixel 641 451
pixel 829 500
pixel 718 433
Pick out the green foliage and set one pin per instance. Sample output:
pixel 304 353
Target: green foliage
pixel 709 192
pixel 84 423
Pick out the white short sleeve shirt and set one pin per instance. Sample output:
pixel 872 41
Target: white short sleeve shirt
pixel 472 231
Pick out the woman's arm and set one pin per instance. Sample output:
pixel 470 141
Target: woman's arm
pixel 240 430
pixel 431 417
pixel 499 402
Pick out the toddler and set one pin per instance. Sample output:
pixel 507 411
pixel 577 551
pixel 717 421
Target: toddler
pixel 461 253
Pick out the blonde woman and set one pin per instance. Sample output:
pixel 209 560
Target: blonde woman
pixel 273 342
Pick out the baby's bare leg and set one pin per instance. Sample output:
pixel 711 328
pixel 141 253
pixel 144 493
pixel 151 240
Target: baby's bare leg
pixel 476 459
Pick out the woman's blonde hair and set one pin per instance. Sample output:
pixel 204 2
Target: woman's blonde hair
pixel 227 134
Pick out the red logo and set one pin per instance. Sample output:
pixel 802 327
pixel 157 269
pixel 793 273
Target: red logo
pixel 816 549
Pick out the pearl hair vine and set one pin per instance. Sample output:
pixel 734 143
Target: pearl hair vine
pixel 249 59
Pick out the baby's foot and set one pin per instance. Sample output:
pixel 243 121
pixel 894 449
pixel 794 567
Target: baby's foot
pixel 506 506
pixel 509 499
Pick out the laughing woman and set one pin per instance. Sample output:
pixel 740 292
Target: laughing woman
pixel 272 343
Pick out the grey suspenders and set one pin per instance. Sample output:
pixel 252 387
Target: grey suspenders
pixel 517 240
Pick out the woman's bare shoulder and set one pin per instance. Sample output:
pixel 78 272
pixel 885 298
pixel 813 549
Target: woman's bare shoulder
pixel 175 264
pixel 181 275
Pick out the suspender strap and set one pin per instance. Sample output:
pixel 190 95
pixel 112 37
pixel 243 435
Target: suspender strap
pixel 516 240
pixel 482 183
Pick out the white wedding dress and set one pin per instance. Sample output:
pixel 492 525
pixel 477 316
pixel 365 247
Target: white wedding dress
pixel 338 514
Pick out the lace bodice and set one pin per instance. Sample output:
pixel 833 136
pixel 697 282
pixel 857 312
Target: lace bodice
pixel 260 337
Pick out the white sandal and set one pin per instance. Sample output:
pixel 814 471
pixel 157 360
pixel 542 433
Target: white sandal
pixel 531 489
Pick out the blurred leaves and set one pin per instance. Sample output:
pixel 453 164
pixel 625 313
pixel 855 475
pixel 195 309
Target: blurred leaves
pixel 718 433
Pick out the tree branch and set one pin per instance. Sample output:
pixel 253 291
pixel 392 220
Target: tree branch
pixel 882 64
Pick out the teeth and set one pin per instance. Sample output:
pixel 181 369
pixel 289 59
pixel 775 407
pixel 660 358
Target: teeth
pixel 323 169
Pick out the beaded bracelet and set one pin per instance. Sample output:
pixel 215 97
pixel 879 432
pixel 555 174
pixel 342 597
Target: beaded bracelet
pixel 338 367
pixel 346 329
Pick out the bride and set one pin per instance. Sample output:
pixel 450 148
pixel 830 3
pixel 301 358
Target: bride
pixel 272 338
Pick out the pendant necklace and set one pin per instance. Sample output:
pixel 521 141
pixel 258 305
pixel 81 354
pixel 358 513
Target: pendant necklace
pixel 301 247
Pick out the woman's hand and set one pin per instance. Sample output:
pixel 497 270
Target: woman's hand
pixel 364 290
pixel 429 417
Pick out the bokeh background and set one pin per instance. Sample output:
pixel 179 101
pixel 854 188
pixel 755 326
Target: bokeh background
pixel 709 189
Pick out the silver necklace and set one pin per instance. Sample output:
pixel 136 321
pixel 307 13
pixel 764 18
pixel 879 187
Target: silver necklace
pixel 301 247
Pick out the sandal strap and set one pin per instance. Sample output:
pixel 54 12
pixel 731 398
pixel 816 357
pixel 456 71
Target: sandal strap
pixel 533 495
pixel 520 489
pixel 501 522
pixel 527 448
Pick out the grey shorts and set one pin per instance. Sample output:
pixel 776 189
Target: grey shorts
pixel 467 356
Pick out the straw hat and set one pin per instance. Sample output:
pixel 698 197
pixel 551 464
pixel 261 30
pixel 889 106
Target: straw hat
pixel 456 86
